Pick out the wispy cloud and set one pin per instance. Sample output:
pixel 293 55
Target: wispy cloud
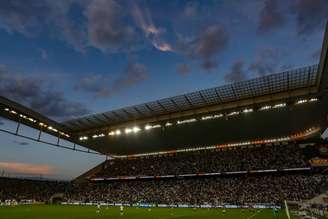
pixel 102 85
pixel 311 15
pixel 27 168
pixel 183 69
pixel 36 93
pixel 237 73
pixel 107 28
pixel 96 84
pixel 143 19
pixel 205 46
pixel 271 16
pixel 135 73
pixel 32 17
pixel 267 61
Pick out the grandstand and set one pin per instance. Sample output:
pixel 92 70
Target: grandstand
pixel 251 144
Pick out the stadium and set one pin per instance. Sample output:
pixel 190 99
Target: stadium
pixel 249 149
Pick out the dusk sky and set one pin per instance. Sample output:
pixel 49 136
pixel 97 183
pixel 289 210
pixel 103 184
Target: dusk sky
pixel 69 58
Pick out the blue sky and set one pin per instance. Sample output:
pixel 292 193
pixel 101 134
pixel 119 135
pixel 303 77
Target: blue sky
pixel 69 58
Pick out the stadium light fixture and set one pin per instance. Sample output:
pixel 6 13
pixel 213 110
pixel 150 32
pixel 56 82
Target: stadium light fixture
pixel 7 109
pixel 168 124
pixel 13 112
pixel 267 107
pixel 216 116
pixel 280 105
pixel 118 132
pixel 148 127
pixel 22 116
pixel 233 113
pixel 111 133
pixel 98 136
pixel 128 131
pixel 302 101
pixel 247 110
pixel 32 120
pixel 313 100
pixel 83 138
pixel 52 129
pixel 136 129
pixel 64 134
pixel 186 121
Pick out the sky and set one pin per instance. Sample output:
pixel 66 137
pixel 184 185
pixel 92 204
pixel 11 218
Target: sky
pixel 70 58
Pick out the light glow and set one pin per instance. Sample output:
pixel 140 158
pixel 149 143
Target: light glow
pixel 83 138
pixel 301 101
pixel 136 129
pixel 265 108
pixel 280 105
pixel 186 121
pixel 313 100
pixel 247 110
pixel 168 124
pixel 233 113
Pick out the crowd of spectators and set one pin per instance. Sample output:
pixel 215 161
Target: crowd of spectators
pixel 217 190
pixel 213 190
pixel 25 189
pixel 228 160
pixel 223 189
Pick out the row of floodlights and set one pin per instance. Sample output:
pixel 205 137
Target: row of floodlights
pixel 43 125
pixel 300 135
pixel 137 129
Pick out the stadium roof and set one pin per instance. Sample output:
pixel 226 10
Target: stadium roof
pixel 212 116
pixel 272 84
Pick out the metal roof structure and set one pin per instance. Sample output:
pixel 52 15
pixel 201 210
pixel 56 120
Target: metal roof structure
pixel 276 83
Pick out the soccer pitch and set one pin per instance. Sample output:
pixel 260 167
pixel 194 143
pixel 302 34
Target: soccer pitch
pixel 89 212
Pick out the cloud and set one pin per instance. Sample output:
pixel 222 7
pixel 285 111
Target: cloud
pixel 96 84
pixel 144 20
pixel 266 61
pixel 32 17
pixel 35 93
pixel 107 29
pixel 209 43
pixel 183 69
pixel 102 86
pixel 27 168
pixel 237 73
pixel 134 74
pixel 311 15
pixel 104 24
pixel 271 17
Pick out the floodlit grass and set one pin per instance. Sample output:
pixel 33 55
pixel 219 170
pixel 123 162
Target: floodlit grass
pixel 89 212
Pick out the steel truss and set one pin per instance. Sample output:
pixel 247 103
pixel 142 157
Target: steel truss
pixel 39 140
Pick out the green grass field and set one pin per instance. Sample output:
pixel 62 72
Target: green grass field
pixel 89 212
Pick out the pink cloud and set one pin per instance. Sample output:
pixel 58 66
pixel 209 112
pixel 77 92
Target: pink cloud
pixel 26 168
